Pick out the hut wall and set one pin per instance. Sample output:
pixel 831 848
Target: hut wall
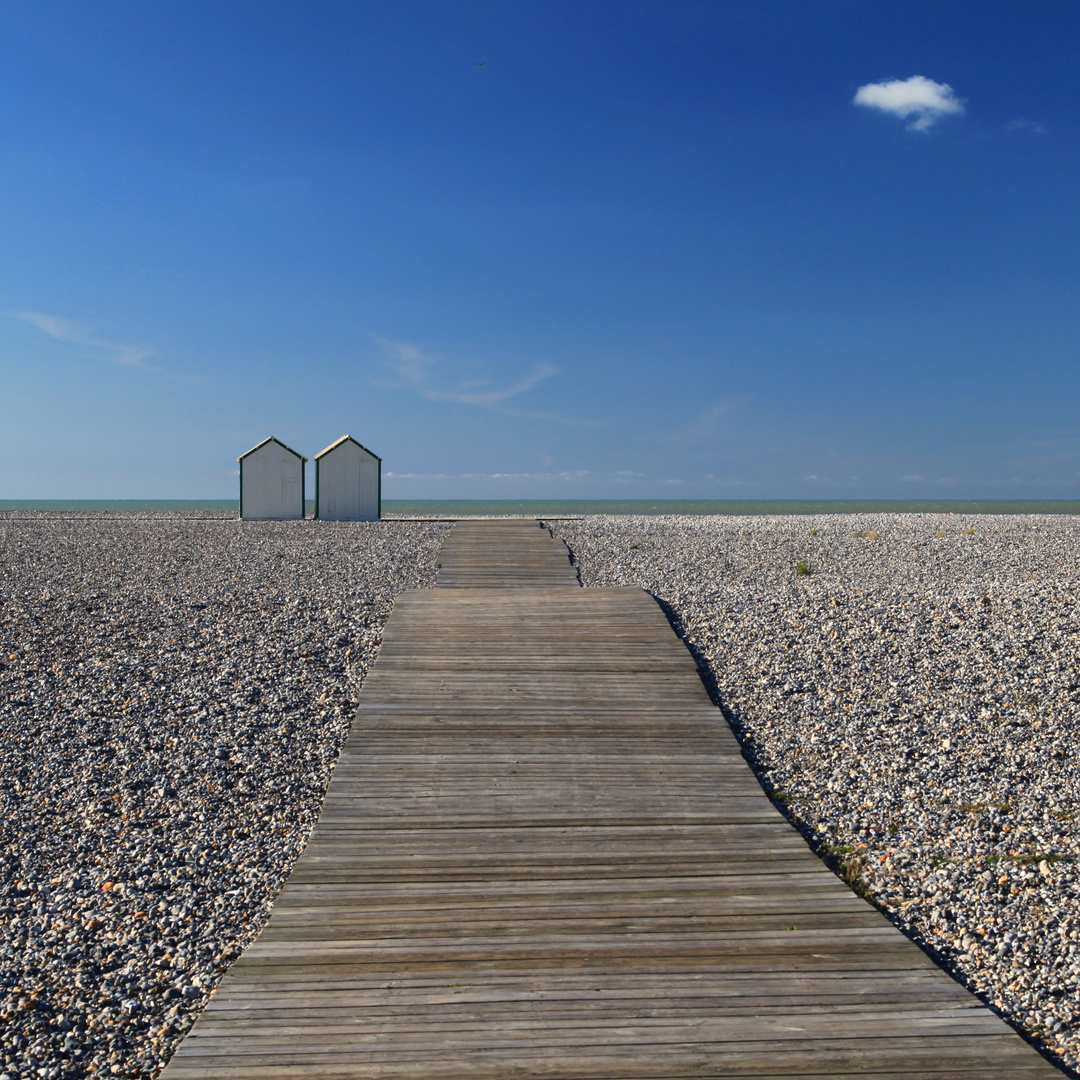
pixel 272 484
pixel 348 484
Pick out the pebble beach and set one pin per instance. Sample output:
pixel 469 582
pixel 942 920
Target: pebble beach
pixel 907 688
pixel 174 693
pixel 173 696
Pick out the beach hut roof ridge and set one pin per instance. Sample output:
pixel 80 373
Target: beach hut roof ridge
pixel 271 439
pixel 347 438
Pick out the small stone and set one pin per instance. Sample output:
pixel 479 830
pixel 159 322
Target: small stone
pixel 933 726
pixel 175 696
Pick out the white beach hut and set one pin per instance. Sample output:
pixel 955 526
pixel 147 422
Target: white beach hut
pixel 348 482
pixel 272 482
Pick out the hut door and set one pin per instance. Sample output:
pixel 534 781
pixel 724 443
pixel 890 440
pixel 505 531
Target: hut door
pixel 291 481
pixel 369 490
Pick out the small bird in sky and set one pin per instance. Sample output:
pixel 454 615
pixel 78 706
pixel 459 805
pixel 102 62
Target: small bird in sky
pixel 481 65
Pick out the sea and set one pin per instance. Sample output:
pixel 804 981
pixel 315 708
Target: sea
pixel 457 508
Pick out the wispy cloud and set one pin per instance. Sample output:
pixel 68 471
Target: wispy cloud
pixel 1035 127
pixel 578 474
pixel 418 371
pixel 726 481
pixel 471 394
pixel 426 375
pixel 831 481
pixel 708 423
pixel 72 333
pixel 919 100
pixel 552 418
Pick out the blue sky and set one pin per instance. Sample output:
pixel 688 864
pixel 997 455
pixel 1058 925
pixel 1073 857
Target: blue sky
pixel 553 249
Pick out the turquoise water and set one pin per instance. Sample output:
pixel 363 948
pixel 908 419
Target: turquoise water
pixel 573 507
pixel 123 506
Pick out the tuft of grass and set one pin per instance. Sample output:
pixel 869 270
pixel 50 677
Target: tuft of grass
pixel 968 532
pixel 802 568
pixel 940 535
pixel 813 532
pixel 832 851
pixel 1035 859
pixel 849 872
pixel 633 547
pixel 865 534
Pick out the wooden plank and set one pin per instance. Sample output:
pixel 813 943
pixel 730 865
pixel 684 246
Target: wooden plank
pixel 543 856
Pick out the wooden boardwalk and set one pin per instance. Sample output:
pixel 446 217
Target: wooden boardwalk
pixel 543 856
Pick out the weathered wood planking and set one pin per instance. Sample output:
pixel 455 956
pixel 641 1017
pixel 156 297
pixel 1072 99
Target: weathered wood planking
pixel 543 856
pixel 504 554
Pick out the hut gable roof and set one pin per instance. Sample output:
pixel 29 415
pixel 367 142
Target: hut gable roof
pixel 343 439
pixel 271 439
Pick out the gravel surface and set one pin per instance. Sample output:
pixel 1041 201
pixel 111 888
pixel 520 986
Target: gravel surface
pixel 912 701
pixel 173 695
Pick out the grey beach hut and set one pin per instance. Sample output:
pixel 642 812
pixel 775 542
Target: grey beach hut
pixel 272 482
pixel 348 482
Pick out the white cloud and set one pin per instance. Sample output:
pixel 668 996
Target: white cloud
pixel 911 479
pixel 1036 127
pixel 114 352
pixel 579 474
pixel 727 481
pixel 708 423
pixel 553 418
pixel 832 481
pixel 919 100
pixel 416 370
pixel 470 394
